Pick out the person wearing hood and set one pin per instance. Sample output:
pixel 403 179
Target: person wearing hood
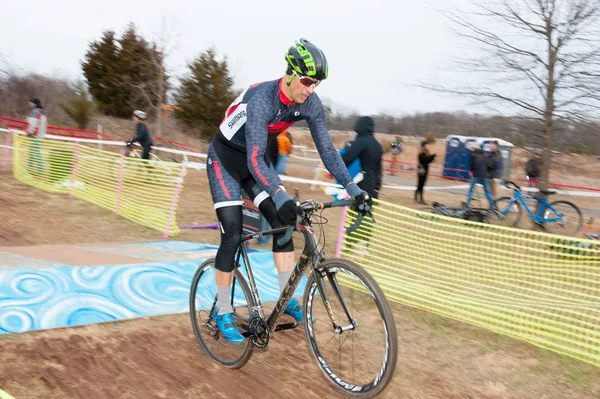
pixel 479 171
pixel 368 151
pixel 37 124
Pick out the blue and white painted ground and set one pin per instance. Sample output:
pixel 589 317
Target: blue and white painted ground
pixel 36 294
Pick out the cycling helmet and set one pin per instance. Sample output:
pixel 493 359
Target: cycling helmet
pixel 139 114
pixel 306 59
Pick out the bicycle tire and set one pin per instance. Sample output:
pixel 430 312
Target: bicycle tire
pixel 578 225
pixel 370 290
pixel 199 328
pixel 499 205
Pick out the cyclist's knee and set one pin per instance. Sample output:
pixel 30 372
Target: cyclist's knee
pixel 230 223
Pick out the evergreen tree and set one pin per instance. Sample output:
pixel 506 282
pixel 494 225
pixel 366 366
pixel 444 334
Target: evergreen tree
pixel 120 73
pixel 102 70
pixel 205 93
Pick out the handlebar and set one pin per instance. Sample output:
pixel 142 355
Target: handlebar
pixel 311 206
pixel 512 184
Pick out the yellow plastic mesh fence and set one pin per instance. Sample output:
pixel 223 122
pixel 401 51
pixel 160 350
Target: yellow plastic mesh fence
pixel 144 191
pixel 536 287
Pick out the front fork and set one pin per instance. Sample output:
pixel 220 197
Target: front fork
pixel 320 275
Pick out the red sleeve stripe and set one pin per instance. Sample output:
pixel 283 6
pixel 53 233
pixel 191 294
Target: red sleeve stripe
pixel 255 166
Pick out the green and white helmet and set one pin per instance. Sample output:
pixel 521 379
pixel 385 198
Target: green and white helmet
pixel 306 59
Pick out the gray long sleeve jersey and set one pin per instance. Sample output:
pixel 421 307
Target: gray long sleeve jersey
pixel 259 114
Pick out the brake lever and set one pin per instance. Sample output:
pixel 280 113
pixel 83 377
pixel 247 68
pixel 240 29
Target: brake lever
pixel 290 229
pixel 286 237
pixel 358 221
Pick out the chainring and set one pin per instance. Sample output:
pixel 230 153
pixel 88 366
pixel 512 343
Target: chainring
pixel 260 333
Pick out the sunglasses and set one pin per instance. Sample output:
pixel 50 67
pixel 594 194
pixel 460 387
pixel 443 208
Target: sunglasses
pixel 306 81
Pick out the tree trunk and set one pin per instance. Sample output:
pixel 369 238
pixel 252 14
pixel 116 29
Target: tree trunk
pixel 161 96
pixel 548 117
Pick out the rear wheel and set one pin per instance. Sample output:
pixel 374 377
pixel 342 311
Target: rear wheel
pixel 359 357
pixel 203 301
pixel 566 219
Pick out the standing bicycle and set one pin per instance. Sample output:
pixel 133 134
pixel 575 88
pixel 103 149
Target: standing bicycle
pixel 558 217
pixel 349 325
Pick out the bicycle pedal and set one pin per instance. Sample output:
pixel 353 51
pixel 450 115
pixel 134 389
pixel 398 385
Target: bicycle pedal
pixel 286 326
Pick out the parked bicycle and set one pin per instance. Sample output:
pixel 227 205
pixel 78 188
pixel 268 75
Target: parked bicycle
pixel 558 217
pixel 464 211
pixel 350 331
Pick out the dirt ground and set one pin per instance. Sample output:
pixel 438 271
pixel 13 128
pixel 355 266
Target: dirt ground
pixel 159 358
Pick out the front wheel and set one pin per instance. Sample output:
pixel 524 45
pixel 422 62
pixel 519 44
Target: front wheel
pixel 357 349
pixel 510 212
pixel 563 217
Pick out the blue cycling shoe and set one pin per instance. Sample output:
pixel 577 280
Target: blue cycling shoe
pixel 227 326
pixel 294 309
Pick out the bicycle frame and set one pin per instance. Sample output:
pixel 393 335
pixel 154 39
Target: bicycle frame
pixel 310 255
pixel 544 204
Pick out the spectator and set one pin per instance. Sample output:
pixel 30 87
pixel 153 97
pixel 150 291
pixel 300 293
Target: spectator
pixel 284 149
pixel 142 136
pixel 479 171
pixel 425 158
pixel 37 124
pixel 533 169
pixel 397 147
pixel 367 150
pixel 494 165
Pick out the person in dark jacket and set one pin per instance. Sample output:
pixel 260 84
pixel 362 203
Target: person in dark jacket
pixel 533 168
pixel 368 151
pixel 479 173
pixel 494 165
pixel 142 136
pixel 425 158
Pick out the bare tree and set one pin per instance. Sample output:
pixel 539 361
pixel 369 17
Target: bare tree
pixel 163 46
pixel 540 57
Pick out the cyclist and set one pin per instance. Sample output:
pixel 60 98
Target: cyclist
pixel 142 136
pixel 237 160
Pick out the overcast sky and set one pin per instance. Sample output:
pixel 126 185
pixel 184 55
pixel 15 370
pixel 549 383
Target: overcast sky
pixel 373 47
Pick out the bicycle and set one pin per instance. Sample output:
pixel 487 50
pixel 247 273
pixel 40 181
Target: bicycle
pixel 553 217
pixel 338 282
pixel 141 171
pixel 464 211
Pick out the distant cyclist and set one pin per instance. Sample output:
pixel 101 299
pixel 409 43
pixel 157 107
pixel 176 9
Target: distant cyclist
pixel 237 161
pixel 142 135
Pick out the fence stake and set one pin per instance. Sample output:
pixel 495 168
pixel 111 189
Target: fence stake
pixel 99 136
pixel 338 248
pixel 73 166
pixel 5 162
pixel 174 202
pixel 120 183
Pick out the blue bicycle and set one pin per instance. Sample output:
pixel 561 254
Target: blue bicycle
pixel 558 217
